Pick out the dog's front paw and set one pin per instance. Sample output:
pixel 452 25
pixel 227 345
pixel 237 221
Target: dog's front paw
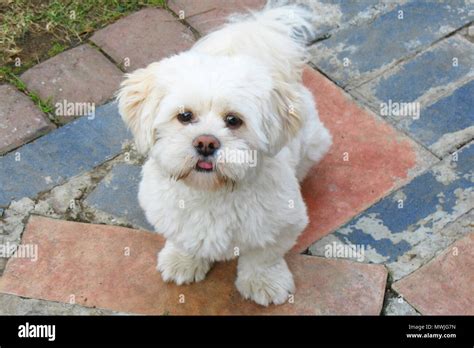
pixel 272 284
pixel 179 267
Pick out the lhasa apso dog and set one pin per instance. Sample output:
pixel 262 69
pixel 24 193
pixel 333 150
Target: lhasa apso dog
pixel 230 132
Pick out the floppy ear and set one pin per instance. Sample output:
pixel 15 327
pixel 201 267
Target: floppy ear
pixel 287 108
pixel 138 100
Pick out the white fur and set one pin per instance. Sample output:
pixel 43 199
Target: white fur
pixel 251 67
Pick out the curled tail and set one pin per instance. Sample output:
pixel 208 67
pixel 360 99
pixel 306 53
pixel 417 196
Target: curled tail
pixel 278 36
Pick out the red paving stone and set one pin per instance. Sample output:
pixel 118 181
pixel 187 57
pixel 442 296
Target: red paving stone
pixel 444 286
pixel 379 159
pixel 79 75
pixel 20 119
pixel 143 37
pixel 89 262
pixel 205 15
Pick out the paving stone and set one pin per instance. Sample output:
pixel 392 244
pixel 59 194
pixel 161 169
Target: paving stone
pixel 114 267
pixel 20 119
pixel 396 305
pixel 447 124
pixel 117 195
pixel 351 10
pixel 368 159
pixel 443 286
pixel 81 75
pixel 70 150
pixel 354 55
pixel 407 228
pixel 14 305
pixel 143 37
pixel 206 15
pixel 425 78
pixel 428 79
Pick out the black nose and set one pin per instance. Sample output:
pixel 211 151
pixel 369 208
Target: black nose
pixel 206 145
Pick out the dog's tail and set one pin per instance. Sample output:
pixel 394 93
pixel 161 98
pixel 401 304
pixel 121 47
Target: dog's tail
pixel 277 35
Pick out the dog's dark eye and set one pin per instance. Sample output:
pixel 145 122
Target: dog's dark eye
pixel 185 117
pixel 233 121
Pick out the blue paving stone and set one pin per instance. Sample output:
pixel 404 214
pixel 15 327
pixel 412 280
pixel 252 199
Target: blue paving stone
pixel 446 124
pixel 430 201
pixel 117 195
pixel 431 69
pixel 351 9
pixel 68 151
pixel 375 45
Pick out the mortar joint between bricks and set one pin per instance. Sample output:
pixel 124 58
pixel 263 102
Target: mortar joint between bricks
pixel 197 35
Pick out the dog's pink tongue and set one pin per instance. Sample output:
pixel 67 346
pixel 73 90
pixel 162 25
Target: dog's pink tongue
pixel 204 165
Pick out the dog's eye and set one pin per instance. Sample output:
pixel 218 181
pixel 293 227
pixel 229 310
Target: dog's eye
pixel 233 121
pixel 185 117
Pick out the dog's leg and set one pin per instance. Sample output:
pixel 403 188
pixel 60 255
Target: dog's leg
pixel 263 276
pixel 177 266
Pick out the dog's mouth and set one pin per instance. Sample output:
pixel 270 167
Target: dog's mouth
pixel 204 166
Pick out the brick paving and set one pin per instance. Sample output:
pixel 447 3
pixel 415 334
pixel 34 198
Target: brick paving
pixel 208 14
pixel 79 75
pixel 71 150
pixel 444 285
pixel 410 216
pixel 143 38
pixel 117 195
pixel 20 119
pixel 397 185
pixel 349 58
pixel 114 268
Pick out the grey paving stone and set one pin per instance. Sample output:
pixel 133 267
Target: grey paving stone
pixel 70 150
pixel 74 80
pixel 143 37
pixel 355 54
pixel 15 305
pixel 117 195
pixel 20 119
pixel 396 305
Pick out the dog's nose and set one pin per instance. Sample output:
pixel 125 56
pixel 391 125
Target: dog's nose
pixel 206 145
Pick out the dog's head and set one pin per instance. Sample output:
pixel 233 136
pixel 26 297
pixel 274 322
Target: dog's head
pixel 209 120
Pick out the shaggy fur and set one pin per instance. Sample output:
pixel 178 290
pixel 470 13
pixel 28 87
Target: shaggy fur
pixel 252 68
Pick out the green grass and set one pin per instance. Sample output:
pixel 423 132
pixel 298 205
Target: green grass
pixel 56 24
pixel 57 48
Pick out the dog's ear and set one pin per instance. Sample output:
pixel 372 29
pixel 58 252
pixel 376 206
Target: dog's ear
pixel 138 100
pixel 287 107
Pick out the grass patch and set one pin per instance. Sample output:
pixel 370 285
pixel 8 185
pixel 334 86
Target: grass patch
pixel 33 30
pixel 57 48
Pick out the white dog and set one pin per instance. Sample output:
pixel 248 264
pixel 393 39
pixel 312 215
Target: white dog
pixel 237 92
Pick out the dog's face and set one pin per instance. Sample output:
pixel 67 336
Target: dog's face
pixel 208 120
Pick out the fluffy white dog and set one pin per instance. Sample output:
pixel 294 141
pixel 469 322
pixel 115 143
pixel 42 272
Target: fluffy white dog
pixel 200 116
